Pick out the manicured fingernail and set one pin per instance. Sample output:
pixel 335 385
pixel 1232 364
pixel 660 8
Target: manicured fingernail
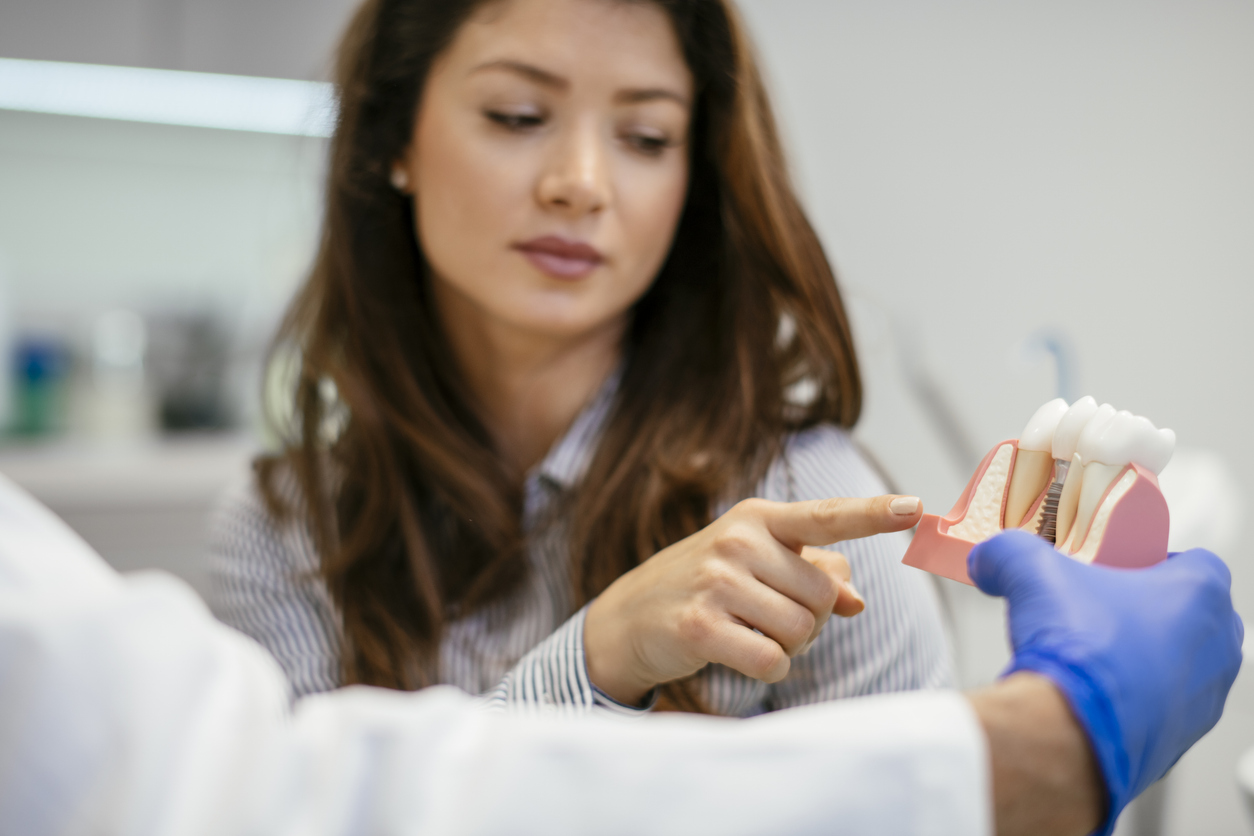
pixel 904 505
pixel 853 590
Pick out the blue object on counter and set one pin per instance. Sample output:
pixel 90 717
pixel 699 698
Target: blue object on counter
pixel 40 367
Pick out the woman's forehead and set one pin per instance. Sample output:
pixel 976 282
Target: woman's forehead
pixel 569 43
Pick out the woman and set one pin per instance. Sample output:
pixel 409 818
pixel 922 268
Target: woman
pixel 567 311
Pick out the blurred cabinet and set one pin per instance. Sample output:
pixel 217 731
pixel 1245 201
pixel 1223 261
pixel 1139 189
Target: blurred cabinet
pixel 281 38
pixel 144 506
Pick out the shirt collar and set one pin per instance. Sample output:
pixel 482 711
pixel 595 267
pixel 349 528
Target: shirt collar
pixel 568 459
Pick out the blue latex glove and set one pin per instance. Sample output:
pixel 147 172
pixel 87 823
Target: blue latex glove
pixel 1145 657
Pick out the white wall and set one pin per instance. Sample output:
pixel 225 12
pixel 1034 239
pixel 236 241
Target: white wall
pixel 982 170
pixel 96 212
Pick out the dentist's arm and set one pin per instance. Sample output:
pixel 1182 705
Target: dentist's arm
pixel 1045 780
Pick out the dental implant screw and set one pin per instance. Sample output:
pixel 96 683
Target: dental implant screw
pixel 1048 527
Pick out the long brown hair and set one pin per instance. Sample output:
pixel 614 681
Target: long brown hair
pixel 741 339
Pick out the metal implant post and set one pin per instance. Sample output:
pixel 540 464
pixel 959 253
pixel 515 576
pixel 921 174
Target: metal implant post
pixel 1048 528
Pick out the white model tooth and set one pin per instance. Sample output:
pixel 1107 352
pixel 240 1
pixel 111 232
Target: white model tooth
pixel 1110 446
pixel 1038 435
pixel 1126 439
pixel 1101 416
pixel 1033 462
pixel 1072 423
pixel 1066 436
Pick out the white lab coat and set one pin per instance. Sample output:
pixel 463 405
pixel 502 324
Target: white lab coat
pixel 126 709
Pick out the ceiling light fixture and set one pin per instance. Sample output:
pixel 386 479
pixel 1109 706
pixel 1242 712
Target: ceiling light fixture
pixel 169 97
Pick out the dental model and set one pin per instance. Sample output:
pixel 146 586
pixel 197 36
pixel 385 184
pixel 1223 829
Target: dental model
pixel 1083 477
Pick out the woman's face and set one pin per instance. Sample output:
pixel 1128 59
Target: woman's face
pixel 549 162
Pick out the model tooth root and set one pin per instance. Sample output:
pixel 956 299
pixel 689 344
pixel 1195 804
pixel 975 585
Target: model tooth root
pixel 1069 500
pixel 1031 474
pixel 1087 551
pixel 1097 478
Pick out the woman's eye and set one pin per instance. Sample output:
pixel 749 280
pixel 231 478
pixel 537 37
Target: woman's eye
pixel 648 144
pixel 515 121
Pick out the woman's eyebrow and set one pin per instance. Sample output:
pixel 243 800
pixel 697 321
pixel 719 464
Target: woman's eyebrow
pixel 528 71
pixel 650 94
pixel 547 79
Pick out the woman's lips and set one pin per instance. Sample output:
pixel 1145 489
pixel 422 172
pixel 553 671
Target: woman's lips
pixel 560 258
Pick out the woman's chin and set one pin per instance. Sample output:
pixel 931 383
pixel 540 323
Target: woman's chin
pixel 569 328
pixel 557 313
pixel 565 324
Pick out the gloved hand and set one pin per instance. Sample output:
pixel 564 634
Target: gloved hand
pixel 1145 657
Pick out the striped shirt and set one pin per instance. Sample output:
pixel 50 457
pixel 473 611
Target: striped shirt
pixel 525 652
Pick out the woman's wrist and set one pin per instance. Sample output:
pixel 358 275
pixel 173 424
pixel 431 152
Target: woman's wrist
pixel 1045 778
pixel 607 655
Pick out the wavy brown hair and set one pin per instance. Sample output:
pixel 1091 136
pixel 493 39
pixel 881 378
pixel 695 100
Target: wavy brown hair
pixel 414 513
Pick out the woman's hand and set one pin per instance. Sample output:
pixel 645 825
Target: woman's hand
pixel 701 599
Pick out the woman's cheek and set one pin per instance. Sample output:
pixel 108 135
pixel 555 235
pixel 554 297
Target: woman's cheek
pixel 654 203
pixel 467 212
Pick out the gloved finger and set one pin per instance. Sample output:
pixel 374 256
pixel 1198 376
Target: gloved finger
pixel 1209 567
pixel 1005 563
pixel 1204 562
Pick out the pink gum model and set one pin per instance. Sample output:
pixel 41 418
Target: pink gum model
pixel 1135 534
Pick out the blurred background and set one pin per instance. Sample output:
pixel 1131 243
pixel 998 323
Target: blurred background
pixel 1022 201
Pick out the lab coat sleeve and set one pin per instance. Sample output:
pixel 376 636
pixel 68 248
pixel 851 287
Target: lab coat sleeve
pixel 125 708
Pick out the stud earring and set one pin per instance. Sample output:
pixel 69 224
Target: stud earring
pixel 400 179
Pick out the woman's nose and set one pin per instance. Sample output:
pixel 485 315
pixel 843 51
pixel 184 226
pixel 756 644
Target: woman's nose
pixel 577 180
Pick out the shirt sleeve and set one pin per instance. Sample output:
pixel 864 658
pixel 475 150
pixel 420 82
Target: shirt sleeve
pixel 126 708
pixel 898 642
pixel 553 679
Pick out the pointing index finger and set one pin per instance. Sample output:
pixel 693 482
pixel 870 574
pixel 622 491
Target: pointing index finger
pixel 821 522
